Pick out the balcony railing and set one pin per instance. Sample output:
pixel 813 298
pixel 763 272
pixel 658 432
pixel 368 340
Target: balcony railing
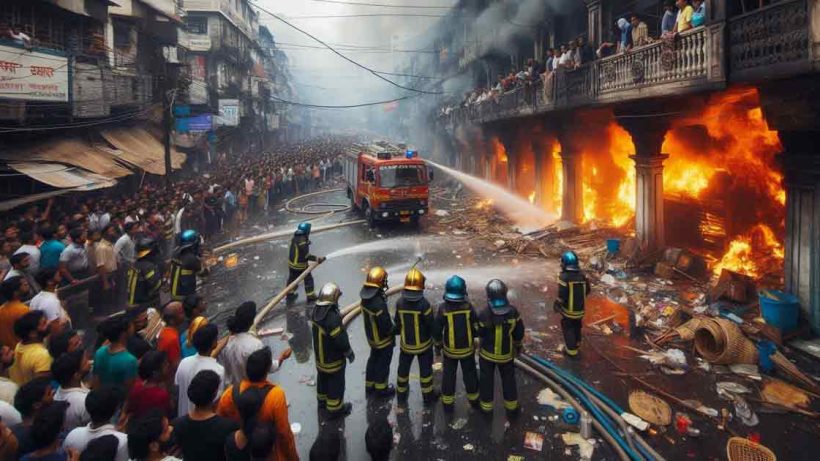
pixel 693 60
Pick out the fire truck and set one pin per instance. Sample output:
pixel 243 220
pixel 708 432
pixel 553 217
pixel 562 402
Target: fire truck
pixel 387 182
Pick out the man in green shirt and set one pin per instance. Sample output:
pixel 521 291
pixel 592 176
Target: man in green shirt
pixel 113 364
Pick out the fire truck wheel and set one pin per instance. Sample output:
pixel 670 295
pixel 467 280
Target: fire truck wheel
pixel 353 205
pixel 369 215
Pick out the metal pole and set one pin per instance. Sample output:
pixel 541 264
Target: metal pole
pixel 166 123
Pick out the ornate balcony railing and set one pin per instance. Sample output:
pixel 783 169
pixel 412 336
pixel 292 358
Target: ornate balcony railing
pixel 770 41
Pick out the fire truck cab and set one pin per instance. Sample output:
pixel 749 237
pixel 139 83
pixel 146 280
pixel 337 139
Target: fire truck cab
pixel 388 182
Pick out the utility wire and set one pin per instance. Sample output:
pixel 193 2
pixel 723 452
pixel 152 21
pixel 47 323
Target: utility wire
pixel 369 15
pixel 350 106
pixel 381 77
pixel 383 5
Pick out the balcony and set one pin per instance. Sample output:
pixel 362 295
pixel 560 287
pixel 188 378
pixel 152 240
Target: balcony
pixel 692 62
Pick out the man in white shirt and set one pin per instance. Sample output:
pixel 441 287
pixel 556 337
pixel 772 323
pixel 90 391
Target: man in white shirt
pixel 241 344
pixel 47 300
pixel 204 340
pixel 28 246
pixel 125 248
pixel 68 370
pixel 101 404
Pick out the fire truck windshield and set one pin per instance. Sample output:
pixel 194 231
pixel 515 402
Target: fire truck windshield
pixel 401 175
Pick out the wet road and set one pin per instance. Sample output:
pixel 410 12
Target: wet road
pixel 427 432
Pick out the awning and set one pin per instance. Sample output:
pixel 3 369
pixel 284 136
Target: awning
pixel 70 151
pixel 139 147
pixel 63 176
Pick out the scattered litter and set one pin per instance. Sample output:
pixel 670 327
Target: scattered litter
pixel 533 441
pixel 459 424
pixel 783 393
pixel 744 412
pixel 550 398
pixel 442 213
pixel 307 380
pixel 499 243
pixel 296 428
pixel 735 388
pixel 574 439
pixel 269 332
pixel 741 449
pixel 256 258
pixel 682 423
pixel 650 408
pixel 608 279
pixel 635 421
pixel 749 371
pixel 468 447
pixel 672 358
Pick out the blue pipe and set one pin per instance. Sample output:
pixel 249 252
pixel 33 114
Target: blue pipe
pixel 572 379
pixel 599 415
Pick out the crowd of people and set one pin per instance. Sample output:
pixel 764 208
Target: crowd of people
pixel 158 368
pixel 629 32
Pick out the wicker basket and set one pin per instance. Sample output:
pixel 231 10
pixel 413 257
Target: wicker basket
pixel 721 342
pixel 687 330
pixel 740 449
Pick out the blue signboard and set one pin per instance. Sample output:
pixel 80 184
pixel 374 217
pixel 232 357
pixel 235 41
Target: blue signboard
pixel 201 123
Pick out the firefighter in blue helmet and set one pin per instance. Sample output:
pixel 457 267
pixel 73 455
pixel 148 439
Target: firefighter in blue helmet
pixel 298 257
pixel 573 288
pixel 501 331
pixel 455 327
pixel 186 265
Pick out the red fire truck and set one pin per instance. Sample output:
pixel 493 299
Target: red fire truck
pixel 388 182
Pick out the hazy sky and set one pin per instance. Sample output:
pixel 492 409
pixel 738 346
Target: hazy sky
pixel 325 78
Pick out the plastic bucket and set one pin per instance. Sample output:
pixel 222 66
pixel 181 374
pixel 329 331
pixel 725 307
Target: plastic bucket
pixel 780 309
pixel 613 245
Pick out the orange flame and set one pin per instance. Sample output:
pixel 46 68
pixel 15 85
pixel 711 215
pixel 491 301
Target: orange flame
pixel 531 197
pixel 745 252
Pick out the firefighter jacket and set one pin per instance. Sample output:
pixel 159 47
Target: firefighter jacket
pixel 184 270
pixel 299 252
pixel 377 323
pixel 455 327
pixel 573 288
pixel 330 341
pixel 501 332
pixel 414 322
pixel 144 282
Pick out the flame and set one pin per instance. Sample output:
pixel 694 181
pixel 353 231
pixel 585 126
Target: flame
pixel 609 178
pixel 747 253
pixel 557 179
pixel 531 197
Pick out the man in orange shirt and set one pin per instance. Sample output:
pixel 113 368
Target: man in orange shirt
pixel 173 314
pixel 13 289
pixel 274 408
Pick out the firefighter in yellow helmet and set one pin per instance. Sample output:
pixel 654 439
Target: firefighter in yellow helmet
pixel 331 347
pixel 378 327
pixel 414 325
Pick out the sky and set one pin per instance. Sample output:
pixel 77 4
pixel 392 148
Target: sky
pixel 324 78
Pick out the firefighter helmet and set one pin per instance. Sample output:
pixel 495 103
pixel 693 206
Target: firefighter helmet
pixel 455 289
pixel 329 294
pixel 414 281
pixel 569 261
pixel 145 246
pixel 303 228
pixel 188 239
pixel 497 294
pixel 376 277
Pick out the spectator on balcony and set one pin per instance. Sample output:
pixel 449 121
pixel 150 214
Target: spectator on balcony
pixel 640 32
pixel 19 37
pixel 625 41
pixel 668 21
pixel 585 50
pixel 550 61
pixel 683 22
pixel 565 60
pixel 699 13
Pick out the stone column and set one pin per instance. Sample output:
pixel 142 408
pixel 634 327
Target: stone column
pixel 572 198
pixel 594 21
pixel 542 148
pixel 801 165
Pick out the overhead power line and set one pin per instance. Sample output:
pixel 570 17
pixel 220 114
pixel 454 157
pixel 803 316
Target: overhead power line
pixel 350 106
pixel 384 5
pixel 370 15
pixel 362 66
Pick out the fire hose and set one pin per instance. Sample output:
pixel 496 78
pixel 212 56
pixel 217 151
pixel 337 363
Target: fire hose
pixel 279 234
pixel 603 409
pixel 339 207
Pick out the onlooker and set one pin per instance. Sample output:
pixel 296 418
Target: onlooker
pixel 238 445
pixel 585 50
pixel 45 435
pixel 699 13
pixel 241 344
pixel 668 20
pixel 201 419
pixel 31 358
pixel 149 392
pixel 7 387
pixel 74 264
pixel 136 344
pixel 205 340
pixel 50 249
pixel 125 247
pixel 47 301
pixel 194 306
pixel 29 240
pixel 683 22
pixel 148 437
pixel 8 443
pixel 20 268
pixel 64 342
pixel 113 364
pixel 274 406
pixel 106 260
pixel 13 290
pixel 68 370
pixel 101 449
pixel 640 32
pixel 625 41
pixel 378 440
pixel 327 446
pixel 173 315
pixel 102 404
pixel 32 398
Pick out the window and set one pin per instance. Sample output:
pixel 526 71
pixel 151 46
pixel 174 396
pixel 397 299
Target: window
pixel 401 176
pixel 197 24
pixel 122 36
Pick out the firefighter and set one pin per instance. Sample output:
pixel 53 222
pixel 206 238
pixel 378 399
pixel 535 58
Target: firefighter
pixel 414 323
pixel 500 330
pixel 145 275
pixel 298 257
pixel 455 327
pixel 331 347
pixel 573 288
pixel 378 327
pixel 186 265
